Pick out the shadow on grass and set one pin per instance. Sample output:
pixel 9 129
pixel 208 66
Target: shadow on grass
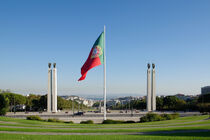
pixel 190 133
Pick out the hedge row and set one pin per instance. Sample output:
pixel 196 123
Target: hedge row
pixel 150 117
pixel 87 122
pixel 36 117
pixel 116 122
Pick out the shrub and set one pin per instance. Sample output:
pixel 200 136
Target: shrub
pixel 150 117
pixel 166 116
pixel 130 121
pixel 4 103
pixel 54 120
pixel 112 122
pixel 33 117
pixel 3 111
pixel 87 122
pixel 175 115
pixel 71 122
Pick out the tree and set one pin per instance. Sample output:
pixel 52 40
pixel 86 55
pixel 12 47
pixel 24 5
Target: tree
pixel 204 98
pixel 43 102
pixel 32 102
pixel 15 99
pixel 181 105
pixel 96 104
pixel 169 102
pixel 4 103
pixel 159 103
pixel 204 108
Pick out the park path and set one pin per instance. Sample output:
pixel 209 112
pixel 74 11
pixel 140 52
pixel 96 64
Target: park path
pixel 101 128
pixel 118 133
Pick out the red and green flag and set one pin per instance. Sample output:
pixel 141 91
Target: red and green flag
pixel 95 58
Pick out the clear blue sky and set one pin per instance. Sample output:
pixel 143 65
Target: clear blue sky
pixel 174 34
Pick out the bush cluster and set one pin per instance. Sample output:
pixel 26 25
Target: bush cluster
pixel 70 122
pixel 34 117
pixel 87 122
pixel 175 115
pixel 150 117
pixel 116 122
pixel 54 120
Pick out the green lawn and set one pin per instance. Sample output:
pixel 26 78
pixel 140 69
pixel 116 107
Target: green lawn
pixel 41 127
pixel 96 137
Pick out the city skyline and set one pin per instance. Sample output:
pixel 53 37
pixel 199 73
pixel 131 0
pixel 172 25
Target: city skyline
pixel 172 34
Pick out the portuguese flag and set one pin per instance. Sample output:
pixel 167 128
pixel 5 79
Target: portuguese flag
pixel 95 58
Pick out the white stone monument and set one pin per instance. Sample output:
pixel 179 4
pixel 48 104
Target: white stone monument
pixel 52 89
pixel 49 95
pixel 148 88
pixel 151 94
pixel 153 89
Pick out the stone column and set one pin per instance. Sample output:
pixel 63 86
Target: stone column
pixel 148 88
pixel 49 95
pixel 153 89
pixel 54 89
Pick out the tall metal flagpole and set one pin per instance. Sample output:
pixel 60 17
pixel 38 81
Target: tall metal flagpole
pixel 104 76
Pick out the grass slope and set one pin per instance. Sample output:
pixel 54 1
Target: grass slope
pixel 95 137
pixel 180 124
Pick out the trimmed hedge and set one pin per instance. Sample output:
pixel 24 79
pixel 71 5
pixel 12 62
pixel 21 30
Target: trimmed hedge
pixel 175 115
pixel 71 122
pixel 130 121
pixel 54 120
pixel 117 122
pixel 166 116
pixel 150 117
pixel 87 122
pixel 112 122
pixel 34 117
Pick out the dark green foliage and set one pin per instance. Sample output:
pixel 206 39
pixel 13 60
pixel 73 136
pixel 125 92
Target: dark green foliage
pixel 159 103
pixel 204 108
pixel 54 120
pixel 4 103
pixel 96 104
pixel 133 104
pixel 204 98
pixel 87 122
pixel 166 116
pixel 14 99
pixel 70 122
pixel 130 121
pixel 116 122
pixel 175 115
pixel 112 122
pixel 39 103
pixel 34 117
pixel 171 103
pixel 150 117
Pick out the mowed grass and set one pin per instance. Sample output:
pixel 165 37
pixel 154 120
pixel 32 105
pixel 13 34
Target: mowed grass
pixel 96 137
pixel 49 128
pixel 177 122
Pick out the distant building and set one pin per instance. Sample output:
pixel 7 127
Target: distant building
pixel 205 90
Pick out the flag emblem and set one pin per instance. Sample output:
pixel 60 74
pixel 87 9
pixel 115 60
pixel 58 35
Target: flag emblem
pixel 97 51
pixel 95 57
